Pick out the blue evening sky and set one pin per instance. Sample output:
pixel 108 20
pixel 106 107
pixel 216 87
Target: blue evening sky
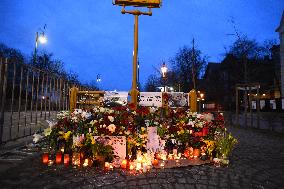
pixel 92 36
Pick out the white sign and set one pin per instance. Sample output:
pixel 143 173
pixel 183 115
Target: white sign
pixel 117 142
pixel 113 97
pixel 152 139
pixel 262 104
pixel 272 104
pixel 151 99
pixel 253 105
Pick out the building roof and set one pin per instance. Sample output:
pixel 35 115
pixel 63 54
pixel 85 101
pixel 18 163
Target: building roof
pixel 281 25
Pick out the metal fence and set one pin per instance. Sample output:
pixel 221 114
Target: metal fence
pixel 28 97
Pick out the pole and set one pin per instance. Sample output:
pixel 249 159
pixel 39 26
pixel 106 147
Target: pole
pixel 134 92
pixel 35 51
pixel 237 106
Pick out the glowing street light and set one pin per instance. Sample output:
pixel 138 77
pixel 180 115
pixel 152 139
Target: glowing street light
pixel 164 70
pixel 41 38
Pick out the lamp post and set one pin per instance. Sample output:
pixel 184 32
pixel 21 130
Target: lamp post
pixel 41 38
pixel 164 70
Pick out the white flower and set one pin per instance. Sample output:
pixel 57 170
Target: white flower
pixel 111 128
pixel 102 109
pixel 111 119
pixel 190 123
pixel 147 123
pixel 86 115
pixel 47 131
pixel 143 129
pixel 37 138
pixel 199 116
pixel 127 132
pixel 208 117
pixel 93 122
pixel 153 109
pixel 74 119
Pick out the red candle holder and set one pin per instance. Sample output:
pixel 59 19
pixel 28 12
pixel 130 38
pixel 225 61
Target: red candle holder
pixel 66 159
pixel 45 158
pixel 58 158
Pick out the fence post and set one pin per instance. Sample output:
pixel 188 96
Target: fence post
pixel 3 97
pixel 73 98
pixel 193 101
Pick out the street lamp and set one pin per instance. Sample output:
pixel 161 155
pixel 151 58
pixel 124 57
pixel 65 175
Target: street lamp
pixel 164 70
pixel 40 37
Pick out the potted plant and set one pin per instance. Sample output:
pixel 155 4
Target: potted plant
pixel 224 147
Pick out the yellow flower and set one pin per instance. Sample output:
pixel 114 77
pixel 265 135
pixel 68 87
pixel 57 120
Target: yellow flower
pixel 66 136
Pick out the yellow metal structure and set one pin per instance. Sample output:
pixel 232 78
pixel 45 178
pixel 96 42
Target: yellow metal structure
pixel 134 91
pixel 193 100
pixel 139 3
pixel 73 98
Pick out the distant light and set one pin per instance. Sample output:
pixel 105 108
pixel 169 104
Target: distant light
pixel 164 70
pixel 43 97
pixel 42 39
pixel 263 94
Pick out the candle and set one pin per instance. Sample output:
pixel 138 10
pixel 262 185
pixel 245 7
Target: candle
pixel 123 164
pixel 66 159
pixel 131 167
pixel 50 162
pixel 162 165
pixel 175 151
pixel 62 150
pixel 86 163
pixel 138 166
pixel 155 162
pixel 107 165
pixel 45 158
pixel 110 167
pixel 76 159
pixel 144 167
pixel 171 157
pixel 58 158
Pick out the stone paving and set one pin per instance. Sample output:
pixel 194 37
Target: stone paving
pixel 256 162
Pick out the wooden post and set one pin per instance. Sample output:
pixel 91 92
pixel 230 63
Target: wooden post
pixel 73 98
pixel 257 106
pixel 193 101
pixel 237 106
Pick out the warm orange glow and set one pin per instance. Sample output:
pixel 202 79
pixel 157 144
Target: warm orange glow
pixel 66 159
pixel 123 164
pixel 86 163
pixel 45 158
pixel 107 165
pixel 155 162
pixel 58 158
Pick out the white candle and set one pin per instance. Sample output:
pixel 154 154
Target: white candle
pixel 138 166
pixel 144 167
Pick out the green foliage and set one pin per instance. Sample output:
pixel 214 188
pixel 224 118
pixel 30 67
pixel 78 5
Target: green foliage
pixel 225 145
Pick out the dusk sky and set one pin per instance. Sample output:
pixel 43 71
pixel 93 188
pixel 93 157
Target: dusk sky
pixel 92 36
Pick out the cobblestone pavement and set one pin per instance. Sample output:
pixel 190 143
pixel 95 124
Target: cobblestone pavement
pixel 257 162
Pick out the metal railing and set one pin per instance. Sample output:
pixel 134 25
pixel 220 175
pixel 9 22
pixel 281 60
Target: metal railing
pixel 28 97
